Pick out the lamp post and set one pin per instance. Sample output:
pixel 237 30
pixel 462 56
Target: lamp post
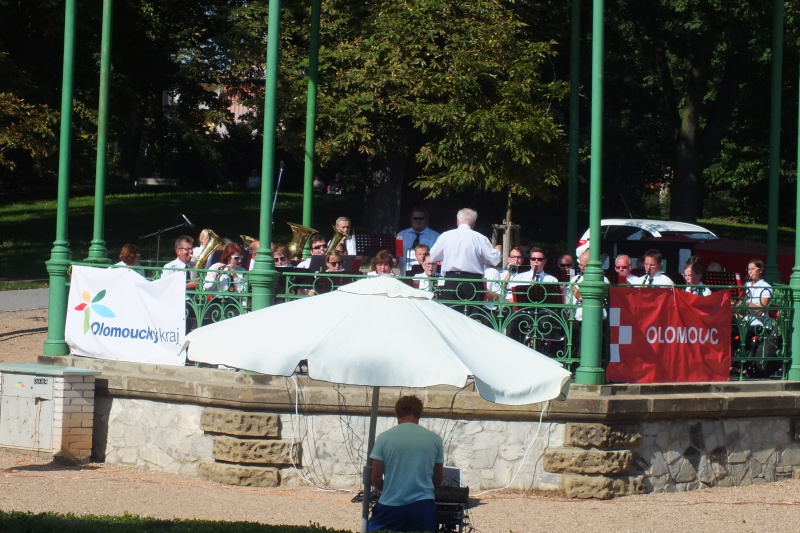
pixel 263 277
pixel 60 255
pixel 593 290
pixel 98 253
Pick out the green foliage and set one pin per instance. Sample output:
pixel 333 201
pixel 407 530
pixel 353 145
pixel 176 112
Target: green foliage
pixel 25 127
pixel 452 83
pixel 17 522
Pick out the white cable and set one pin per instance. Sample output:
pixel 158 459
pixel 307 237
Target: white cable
pixel 522 462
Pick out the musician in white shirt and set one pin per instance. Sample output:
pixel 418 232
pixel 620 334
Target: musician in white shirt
pixel 652 271
pixel 536 274
pixel 464 253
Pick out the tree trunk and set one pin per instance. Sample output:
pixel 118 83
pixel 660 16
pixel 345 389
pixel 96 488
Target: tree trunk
pixel 686 186
pixel 382 198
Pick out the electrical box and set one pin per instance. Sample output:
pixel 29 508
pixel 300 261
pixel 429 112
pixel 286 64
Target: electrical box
pixel 46 408
pixel 26 411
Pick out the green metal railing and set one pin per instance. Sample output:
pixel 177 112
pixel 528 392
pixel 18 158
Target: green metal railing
pixel 534 314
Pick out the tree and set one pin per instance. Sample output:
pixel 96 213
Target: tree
pixel 688 89
pixel 449 88
pixel 24 128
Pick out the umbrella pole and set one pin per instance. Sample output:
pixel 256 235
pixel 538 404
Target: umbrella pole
pixel 373 418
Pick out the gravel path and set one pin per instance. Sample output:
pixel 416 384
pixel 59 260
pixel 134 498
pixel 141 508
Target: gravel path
pixel 36 485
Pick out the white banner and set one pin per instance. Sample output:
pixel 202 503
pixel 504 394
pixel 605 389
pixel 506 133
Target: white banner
pixel 116 314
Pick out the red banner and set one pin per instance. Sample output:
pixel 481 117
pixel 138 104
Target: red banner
pixel 663 335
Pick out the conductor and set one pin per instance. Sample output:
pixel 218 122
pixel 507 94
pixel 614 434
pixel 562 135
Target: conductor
pixel 463 253
pixel 407 461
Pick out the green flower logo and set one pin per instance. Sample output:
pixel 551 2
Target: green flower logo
pixel 90 304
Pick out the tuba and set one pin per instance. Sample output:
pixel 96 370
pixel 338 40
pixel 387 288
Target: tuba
pixel 247 241
pixel 338 237
pixel 214 243
pixel 300 235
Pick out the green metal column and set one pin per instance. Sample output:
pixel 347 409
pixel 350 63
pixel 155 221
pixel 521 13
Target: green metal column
pixel 593 289
pixel 794 280
pixel 311 121
pixel 60 255
pixel 97 250
pixel 771 272
pixel 264 276
pixel 574 133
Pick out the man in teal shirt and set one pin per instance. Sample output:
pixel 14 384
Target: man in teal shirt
pixel 407 462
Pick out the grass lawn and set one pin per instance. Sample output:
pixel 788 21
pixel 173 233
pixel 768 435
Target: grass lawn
pixel 16 522
pixel 28 227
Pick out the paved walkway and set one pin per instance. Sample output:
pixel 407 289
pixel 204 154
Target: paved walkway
pixel 23 300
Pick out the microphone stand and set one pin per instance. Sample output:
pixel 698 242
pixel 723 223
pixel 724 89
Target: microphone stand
pixel 158 234
pixel 275 198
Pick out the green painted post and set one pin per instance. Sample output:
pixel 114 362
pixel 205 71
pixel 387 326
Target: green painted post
pixel 574 133
pixel 593 289
pixel 97 250
pixel 60 255
pixel 264 276
pixel 771 272
pixel 311 121
pixel 794 280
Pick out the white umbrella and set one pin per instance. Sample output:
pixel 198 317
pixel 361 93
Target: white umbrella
pixel 357 335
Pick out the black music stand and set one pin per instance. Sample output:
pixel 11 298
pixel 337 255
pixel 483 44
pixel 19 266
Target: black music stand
pixel 722 278
pixel 371 244
pixel 351 263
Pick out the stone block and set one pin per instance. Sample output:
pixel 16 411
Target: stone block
pixel 240 423
pixel 254 451
pixel 244 476
pixel 601 487
pixel 592 461
pixel 628 485
pixel 796 472
pixel 588 435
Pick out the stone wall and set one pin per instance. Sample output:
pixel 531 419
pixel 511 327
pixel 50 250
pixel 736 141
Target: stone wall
pixel 186 439
pixel 148 434
pixel 602 441
pixel 696 454
pixel 490 453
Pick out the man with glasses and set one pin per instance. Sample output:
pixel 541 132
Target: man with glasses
pixel 319 246
pixel 566 261
pixel 344 225
pixel 183 251
pixel 538 259
pixel 652 271
pixel 622 265
pixel 418 233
